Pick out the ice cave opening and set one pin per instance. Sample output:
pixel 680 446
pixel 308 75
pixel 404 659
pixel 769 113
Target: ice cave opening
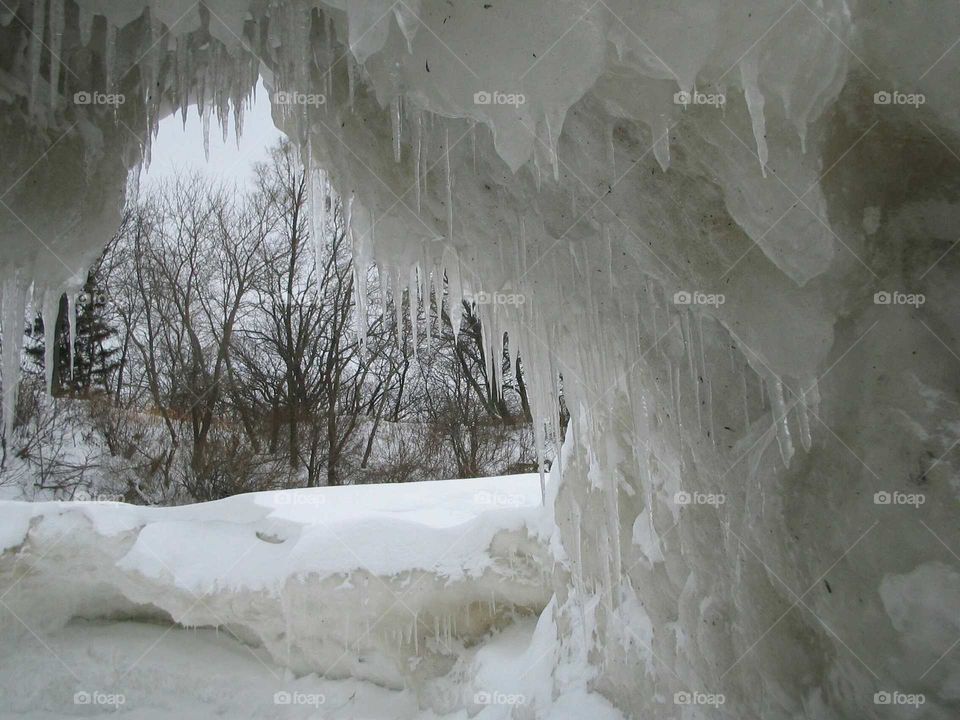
pixel 733 230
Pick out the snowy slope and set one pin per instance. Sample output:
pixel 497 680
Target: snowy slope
pixel 386 583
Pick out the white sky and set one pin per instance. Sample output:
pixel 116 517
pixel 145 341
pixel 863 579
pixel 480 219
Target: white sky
pixel 176 147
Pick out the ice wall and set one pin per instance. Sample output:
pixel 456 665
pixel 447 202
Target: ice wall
pixel 728 227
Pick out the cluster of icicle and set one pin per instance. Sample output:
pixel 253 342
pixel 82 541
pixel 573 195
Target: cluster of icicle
pixel 176 68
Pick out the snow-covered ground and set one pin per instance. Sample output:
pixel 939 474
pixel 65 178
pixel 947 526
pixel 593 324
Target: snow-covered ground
pixel 375 601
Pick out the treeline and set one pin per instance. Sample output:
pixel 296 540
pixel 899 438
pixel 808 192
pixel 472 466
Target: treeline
pixel 217 351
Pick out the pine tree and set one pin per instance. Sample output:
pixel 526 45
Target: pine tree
pixel 94 349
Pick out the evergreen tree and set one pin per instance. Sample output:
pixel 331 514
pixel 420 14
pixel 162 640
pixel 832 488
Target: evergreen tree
pixel 94 350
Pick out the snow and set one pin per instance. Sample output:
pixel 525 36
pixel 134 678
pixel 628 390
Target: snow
pixel 144 671
pixel 385 584
pixel 258 541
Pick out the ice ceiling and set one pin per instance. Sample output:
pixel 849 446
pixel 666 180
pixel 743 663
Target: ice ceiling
pixel 732 226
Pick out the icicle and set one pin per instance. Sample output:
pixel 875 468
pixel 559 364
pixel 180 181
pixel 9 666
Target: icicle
pixel 750 71
pixel 661 144
pixel 611 155
pixel 473 141
pixel 51 308
pixel 205 117
pixel 438 297
pixel 413 305
pixel 540 441
pixel 456 293
pixel 110 55
pixel 56 47
pixel 416 162
pixel 488 351
pixel 713 431
pixel 449 188
pixel 804 420
pixel 86 24
pixel 396 120
pixel 351 79
pixel 746 409
pixel 688 336
pixel 72 319
pixel 425 292
pixel 397 291
pixel 184 76
pixel 36 52
pixel 11 324
pixel 553 143
pixel 416 635
pixel 780 418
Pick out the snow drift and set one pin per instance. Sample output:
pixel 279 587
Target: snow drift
pixel 732 228
pixel 380 583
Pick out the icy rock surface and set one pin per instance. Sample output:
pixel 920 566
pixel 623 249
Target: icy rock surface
pixel 698 204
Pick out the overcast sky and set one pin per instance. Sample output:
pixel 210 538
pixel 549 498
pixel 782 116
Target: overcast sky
pixel 176 147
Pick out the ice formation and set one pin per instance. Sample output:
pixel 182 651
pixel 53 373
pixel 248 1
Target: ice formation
pixel 728 227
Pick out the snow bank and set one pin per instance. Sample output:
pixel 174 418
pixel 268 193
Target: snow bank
pixel 382 583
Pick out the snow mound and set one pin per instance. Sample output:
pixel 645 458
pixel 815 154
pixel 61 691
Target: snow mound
pixel 380 583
